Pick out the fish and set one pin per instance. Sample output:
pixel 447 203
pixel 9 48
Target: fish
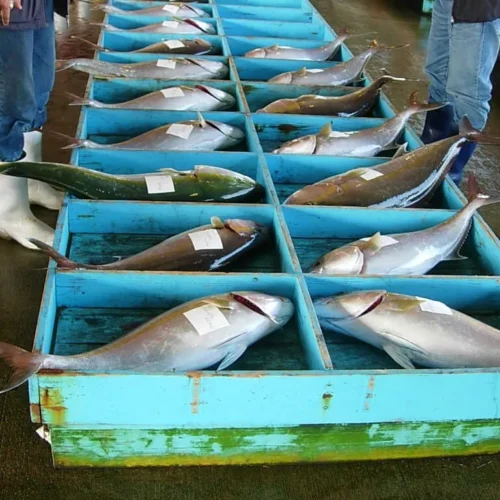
pixel 412 330
pixel 203 183
pixel 323 53
pixel 364 143
pixel 182 98
pixel 182 46
pixel 205 248
pixel 173 27
pixel 406 181
pixel 341 74
pixel 412 253
pixel 196 335
pixel 189 135
pixel 357 103
pixel 169 9
pixel 163 69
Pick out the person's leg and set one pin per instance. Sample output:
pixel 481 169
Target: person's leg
pixel 17 112
pixel 474 50
pixel 43 76
pixel 439 123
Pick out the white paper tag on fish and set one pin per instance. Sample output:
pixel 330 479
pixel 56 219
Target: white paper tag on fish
pixel 166 63
pixel 371 174
pixel 206 319
pixel 315 70
pixel 44 433
pixel 172 92
pixel 170 24
pixel 171 8
pixel 160 184
pixel 206 240
pixel 180 130
pixel 383 241
pixel 435 307
pixel 173 44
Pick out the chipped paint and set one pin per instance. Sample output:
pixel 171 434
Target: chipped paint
pixel 196 394
pixel 369 392
pixel 326 398
pixel 51 401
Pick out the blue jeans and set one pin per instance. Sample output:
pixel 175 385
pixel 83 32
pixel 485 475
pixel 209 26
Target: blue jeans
pixel 460 59
pixel 27 71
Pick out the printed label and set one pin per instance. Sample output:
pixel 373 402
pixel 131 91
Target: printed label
pixel 206 240
pixel 435 307
pixel 206 319
pixel 173 44
pixel 170 24
pixel 371 174
pixel 180 130
pixel 171 8
pixel 384 241
pixel 172 92
pixel 160 184
pixel 166 63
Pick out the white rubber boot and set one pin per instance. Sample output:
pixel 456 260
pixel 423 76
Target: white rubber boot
pixel 39 192
pixel 17 222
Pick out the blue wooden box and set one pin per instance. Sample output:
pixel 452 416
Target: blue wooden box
pixel 299 395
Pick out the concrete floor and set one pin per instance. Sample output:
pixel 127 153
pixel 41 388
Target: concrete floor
pixel 26 472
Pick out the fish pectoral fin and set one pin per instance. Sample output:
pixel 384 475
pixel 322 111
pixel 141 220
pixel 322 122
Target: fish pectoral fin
pixel 402 150
pixel 171 171
pixel 201 121
pixel 220 303
pixel 399 356
pixel 234 352
pixel 216 223
pixel 455 255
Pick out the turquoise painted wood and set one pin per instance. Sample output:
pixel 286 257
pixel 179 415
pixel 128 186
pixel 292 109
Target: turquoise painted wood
pixel 298 395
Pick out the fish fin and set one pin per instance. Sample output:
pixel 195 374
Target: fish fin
pixel 405 344
pixel 417 106
pixel 399 356
pixel 326 130
pixel 63 64
pixel 405 303
pixel 201 120
pixel 475 193
pixel 23 365
pixel 61 260
pixel 171 171
pixel 216 223
pixel 471 134
pixel 402 150
pixel 220 303
pixel 375 242
pixel 79 143
pixel 455 255
pixel 82 101
pixel 252 306
pixel 234 353
pixel 302 72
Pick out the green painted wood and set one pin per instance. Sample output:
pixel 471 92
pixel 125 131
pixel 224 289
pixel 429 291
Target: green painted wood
pixel 427 6
pixel 126 447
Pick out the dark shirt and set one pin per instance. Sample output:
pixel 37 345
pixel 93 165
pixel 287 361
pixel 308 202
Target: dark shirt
pixel 475 11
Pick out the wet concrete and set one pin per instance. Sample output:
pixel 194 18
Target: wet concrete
pixel 26 472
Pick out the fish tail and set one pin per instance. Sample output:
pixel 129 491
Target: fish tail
pixel 75 143
pixel 471 134
pixel 416 106
pixel 63 64
pixel 88 42
pixel 61 260
pixel 23 365
pixel 475 195
pixel 82 101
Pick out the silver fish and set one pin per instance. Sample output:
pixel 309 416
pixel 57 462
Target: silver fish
pixel 364 143
pixel 340 74
pixel 171 9
pixel 411 253
pixel 182 98
pixel 163 69
pixel 194 135
pixel 322 53
pixel 193 336
pixel 412 330
pixel 173 27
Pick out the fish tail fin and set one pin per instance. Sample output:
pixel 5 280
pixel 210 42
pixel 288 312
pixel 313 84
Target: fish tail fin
pixel 476 196
pixel 416 106
pixel 82 101
pixel 75 143
pixel 61 260
pixel 23 365
pixel 471 134
pixel 63 64
pixel 88 42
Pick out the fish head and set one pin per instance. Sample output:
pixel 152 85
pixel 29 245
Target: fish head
pixel 227 99
pixel 256 54
pixel 232 181
pixel 302 146
pixel 248 228
pixel 235 134
pixel 334 312
pixel 345 260
pixel 277 309
pixel 283 78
